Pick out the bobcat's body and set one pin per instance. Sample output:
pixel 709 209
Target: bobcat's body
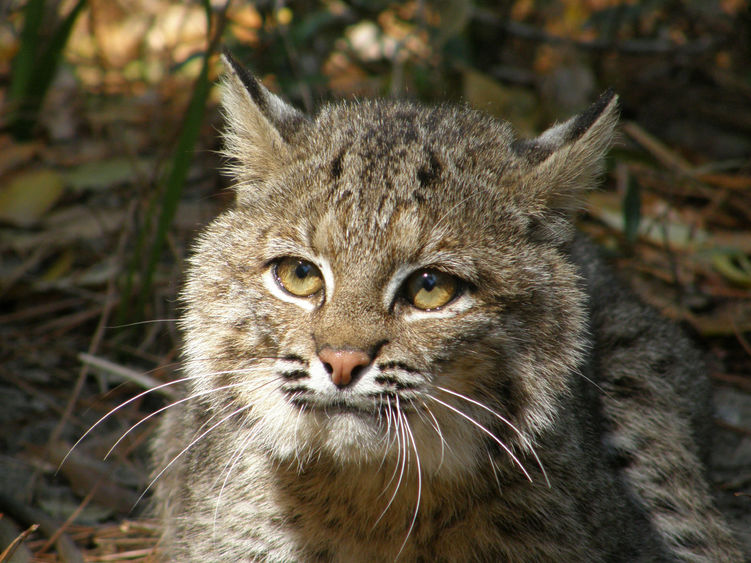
pixel 398 348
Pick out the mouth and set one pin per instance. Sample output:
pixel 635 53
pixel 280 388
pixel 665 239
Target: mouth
pixel 371 406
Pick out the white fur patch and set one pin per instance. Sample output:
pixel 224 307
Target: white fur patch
pixel 272 286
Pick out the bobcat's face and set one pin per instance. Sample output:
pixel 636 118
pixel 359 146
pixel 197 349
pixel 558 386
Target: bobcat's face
pixel 391 281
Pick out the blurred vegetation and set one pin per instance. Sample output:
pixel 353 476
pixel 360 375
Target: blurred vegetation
pixel 108 133
pixel 35 64
pixel 129 70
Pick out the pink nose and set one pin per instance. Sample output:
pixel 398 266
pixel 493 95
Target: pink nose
pixel 342 365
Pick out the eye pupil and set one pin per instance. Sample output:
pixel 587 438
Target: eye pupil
pixel 428 281
pixel 430 289
pixel 298 277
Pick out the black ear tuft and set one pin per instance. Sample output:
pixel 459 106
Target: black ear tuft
pixel 285 118
pixel 249 81
pixel 584 120
pixel 261 129
pixel 566 159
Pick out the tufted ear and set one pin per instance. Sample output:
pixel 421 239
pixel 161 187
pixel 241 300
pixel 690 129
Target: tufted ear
pixel 567 159
pixel 259 127
pixel 555 168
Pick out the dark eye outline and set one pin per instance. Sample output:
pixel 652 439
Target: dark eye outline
pixel 404 291
pixel 275 264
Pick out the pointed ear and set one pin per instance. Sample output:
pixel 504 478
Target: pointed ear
pixel 567 159
pixel 259 127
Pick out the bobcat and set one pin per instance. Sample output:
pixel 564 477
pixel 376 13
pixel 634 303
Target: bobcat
pixel 396 347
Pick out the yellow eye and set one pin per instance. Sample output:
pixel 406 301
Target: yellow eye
pixel 298 277
pixel 430 289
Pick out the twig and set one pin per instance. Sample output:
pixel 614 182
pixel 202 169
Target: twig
pixel 11 549
pixel 122 372
pixel 27 313
pixel 133 554
pixel 109 303
pixel 37 256
pixel 727 181
pixel 28 516
pixel 743 383
pixel 60 325
pixel 68 521
pixel 32 391
pixel 662 153
pixel 83 373
pixel 732 427
pixel 739 335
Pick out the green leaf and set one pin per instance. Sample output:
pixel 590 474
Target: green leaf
pixel 29 195
pixel 103 174
pixel 734 266
pixel 35 66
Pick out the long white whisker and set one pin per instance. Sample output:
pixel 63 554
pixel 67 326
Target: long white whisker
pixel 401 461
pixel 224 409
pixel 164 408
pixel 494 468
pixel 519 433
pixel 419 479
pixel 117 408
pixel 297 426
pixel 387 437
pixel 437 428
pixel 186 448
pixel 234 459
pixel 488 432
pixel 227 467
pixel 389 414
pixel 596 385
pixel 138 396
pixel 137 323
pixel 236 456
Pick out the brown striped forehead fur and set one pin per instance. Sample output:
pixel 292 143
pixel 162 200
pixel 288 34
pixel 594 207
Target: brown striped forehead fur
pixel 374 176
pixel 380 185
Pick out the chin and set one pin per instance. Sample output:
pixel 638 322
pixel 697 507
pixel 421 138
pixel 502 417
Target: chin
pixel 292 435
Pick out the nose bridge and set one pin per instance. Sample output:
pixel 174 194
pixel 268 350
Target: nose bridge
pixel 351 319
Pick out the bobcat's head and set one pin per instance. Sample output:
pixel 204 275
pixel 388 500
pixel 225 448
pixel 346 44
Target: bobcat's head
pixel 391 279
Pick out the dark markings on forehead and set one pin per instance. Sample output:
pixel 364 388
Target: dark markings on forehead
pixel 336 165
pixel 388 140
pixel 376 153
pixel 344 196
pixel 428 173
pixel 381 203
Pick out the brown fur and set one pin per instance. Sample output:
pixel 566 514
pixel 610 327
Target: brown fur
pixel 542 415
